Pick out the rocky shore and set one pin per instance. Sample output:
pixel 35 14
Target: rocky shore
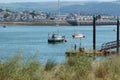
pixel 62 23
pixel 52 23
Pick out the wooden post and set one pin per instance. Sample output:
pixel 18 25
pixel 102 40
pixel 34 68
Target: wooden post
pixel 94 35
pixel 117 50
pixel 80 43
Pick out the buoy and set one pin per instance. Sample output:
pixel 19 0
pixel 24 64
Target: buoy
pixel 65 40
pixel 83 36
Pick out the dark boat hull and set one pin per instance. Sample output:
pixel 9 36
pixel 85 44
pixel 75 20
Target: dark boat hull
pixel 55 41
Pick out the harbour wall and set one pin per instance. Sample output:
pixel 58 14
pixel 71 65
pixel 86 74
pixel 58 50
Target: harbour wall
pixel 62 23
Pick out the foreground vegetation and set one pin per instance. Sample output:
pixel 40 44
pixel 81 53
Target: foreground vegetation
pixel 75 68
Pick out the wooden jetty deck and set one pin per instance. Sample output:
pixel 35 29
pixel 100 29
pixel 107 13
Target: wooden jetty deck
pixel 90 53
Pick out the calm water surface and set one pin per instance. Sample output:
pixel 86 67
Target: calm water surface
pixel 32 40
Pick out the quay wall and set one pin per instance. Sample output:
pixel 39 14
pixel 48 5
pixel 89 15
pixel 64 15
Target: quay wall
pixel 62 23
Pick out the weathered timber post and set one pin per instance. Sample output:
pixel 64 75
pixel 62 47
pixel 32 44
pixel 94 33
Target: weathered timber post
pixel 117 50
pixel 94 35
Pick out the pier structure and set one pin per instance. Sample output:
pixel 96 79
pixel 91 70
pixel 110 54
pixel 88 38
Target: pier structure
pixel 106 47
pixel 110 45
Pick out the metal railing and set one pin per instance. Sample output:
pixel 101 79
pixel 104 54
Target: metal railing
pixel 109 45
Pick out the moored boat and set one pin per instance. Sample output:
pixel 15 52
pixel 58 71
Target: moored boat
pixel 78 36
pixel 56 38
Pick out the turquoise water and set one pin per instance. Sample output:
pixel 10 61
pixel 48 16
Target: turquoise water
pixel 32 40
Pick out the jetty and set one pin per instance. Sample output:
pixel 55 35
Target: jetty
pixel 109 45
pixel 105 48
pixel 90 52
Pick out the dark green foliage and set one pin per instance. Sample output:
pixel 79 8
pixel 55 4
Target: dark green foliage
pixel 6 15
pixel 1 10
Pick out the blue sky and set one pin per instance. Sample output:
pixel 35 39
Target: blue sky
pixel 10 1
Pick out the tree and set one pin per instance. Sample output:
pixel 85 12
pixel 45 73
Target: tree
pixel 7 10
pixel 33 13
pixel 6 15
pixel 1 10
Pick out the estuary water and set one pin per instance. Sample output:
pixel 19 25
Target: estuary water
pixel 32 40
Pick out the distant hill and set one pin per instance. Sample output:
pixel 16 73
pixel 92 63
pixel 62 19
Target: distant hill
pixel 111 8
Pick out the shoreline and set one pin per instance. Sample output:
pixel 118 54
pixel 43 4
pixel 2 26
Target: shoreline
pixel 53 23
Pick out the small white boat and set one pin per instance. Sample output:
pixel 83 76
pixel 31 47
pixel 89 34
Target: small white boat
pixel 78 36
pixel 56 38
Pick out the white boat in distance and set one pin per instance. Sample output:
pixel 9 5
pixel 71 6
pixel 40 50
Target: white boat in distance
pixel 56 38
pixel 78 36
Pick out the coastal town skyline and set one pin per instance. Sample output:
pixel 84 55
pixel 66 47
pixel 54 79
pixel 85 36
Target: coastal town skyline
pixel 14 1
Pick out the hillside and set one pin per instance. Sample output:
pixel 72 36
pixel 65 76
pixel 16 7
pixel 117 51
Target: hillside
pixel 111 8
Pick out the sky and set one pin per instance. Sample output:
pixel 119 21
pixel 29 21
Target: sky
pixel 11 1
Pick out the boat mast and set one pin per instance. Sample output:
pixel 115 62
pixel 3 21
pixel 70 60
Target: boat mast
pixel 58 12
pixel 58 20
pixel 78 19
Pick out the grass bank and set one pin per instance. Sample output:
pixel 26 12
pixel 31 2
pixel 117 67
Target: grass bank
pixel 75 68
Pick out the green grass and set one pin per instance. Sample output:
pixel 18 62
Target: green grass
pixel 108 69
pixel 49 65
pixel 15 69
pixel 76 67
